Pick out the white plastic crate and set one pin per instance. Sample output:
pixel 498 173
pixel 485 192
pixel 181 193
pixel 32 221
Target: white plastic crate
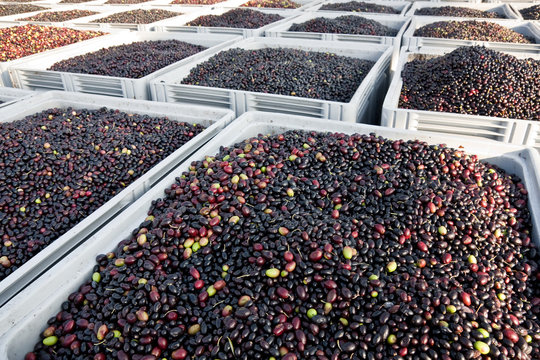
pixel 88 22
pixel 9 96
pixel 412 42
pixel 501 9
pixel 213 119
pixel 5 80
pixel 14 19
pixel 182 27
pixel 305 5
pixel 401 6
pixel 50 3
pixel 226 3
pixel 145 3
pixel 513 131
pixel 59 3
pixel 104 3
pixel 38 2
pixel 363 106
pixel 10 19
pixel 167 4
pixel 24 318
pixel 516 7
pixel 462 1
pixel 150 2
pixel 32 74
pixel 532 2
pixel 399 23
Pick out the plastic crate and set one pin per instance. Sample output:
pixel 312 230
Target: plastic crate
pixel 214 119
pixel 399 23
pixel 13 19
pixel 516 7
pixel 412 43
pixel 501 9
pixel 32 74
pixel 5 80
pixel 9 96
pixel 60 4
pixel 361 108
pixel 146 3
pixel 37 2
pixel 513 131
pixel 104 3
pixel 402 6
pixel 21 318
pixel 187 13
pixel 462 1
pixel 305 5
pixel 168 4
pixel 532 2
pixel 181 26
pixel 228 4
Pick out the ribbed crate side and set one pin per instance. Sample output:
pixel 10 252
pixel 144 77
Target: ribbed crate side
pixel 513 131
pixel 55 285
pixel 213 119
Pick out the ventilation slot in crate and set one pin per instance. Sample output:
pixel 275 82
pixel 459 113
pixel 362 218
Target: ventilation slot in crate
pixel 184 29
pixel 204 97
pixel 469 127
pixel 96 26
pixel 357 38
pixel 299 35
pixel 285 106
pixel 133 27
pixel 226 31
pixel 110 87
pixel 37 80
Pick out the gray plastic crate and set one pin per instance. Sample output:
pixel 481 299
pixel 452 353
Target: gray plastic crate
pixel 412 43
pixel 361 108
pixel 213 119
pixel 23 318
pixel 513 131
pixel 107 10
pixel 399 23
pixel 182 27
pixel 401 6
pixel 501 9
pixel 4 65
pixel 32 73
